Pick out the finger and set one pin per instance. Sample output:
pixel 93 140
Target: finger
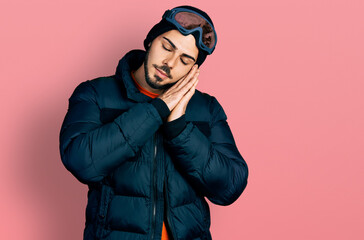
pixel 180 88
pixel 195 71
pixel 183 81
pixel 189 77
pixel 189 86
pixel 186 98
pixel 193 80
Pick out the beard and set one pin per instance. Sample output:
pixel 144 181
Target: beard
pixel 156 82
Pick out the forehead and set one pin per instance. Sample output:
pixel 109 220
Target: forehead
pixel 185 44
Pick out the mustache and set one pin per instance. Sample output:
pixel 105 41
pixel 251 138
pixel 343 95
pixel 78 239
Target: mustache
pixel 165 69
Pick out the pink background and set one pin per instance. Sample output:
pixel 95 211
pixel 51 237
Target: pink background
pixel 288 73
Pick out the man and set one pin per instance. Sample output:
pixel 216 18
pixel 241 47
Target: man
pixel 149 145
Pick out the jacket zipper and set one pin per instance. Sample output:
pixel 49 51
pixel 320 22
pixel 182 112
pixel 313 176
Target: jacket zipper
pixel 167 209
pixel 154 186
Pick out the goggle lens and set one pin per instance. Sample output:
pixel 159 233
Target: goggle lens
pixel 189 21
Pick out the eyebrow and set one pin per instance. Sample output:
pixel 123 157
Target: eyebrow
pixel 174 47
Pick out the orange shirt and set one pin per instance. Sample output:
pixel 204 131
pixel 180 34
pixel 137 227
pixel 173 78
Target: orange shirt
pixel 164 232
pixel 152 95
pixel 143 90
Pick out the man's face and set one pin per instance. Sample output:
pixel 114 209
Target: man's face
pixel 169 58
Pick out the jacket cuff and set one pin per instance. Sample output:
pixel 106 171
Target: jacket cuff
pixel 161 107
pixel 174 128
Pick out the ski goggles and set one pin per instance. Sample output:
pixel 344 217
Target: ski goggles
pixel 190 22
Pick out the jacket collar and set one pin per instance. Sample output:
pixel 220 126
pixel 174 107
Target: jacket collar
pixel 131 61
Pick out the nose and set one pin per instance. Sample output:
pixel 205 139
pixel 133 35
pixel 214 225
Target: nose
pixel 170 60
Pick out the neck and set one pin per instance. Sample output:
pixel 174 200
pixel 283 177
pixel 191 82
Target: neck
pixel 139 75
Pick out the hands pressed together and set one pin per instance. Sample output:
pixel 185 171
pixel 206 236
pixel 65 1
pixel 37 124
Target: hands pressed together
pixel 178 96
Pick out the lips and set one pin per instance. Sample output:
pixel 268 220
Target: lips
pixel 161 73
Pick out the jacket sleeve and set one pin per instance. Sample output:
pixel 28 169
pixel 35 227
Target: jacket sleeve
pixel 89 149
pixel 213 165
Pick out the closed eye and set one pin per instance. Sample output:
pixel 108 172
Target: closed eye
pixel 169 50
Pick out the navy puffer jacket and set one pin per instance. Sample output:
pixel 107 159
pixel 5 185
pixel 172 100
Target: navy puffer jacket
pixel 111 140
